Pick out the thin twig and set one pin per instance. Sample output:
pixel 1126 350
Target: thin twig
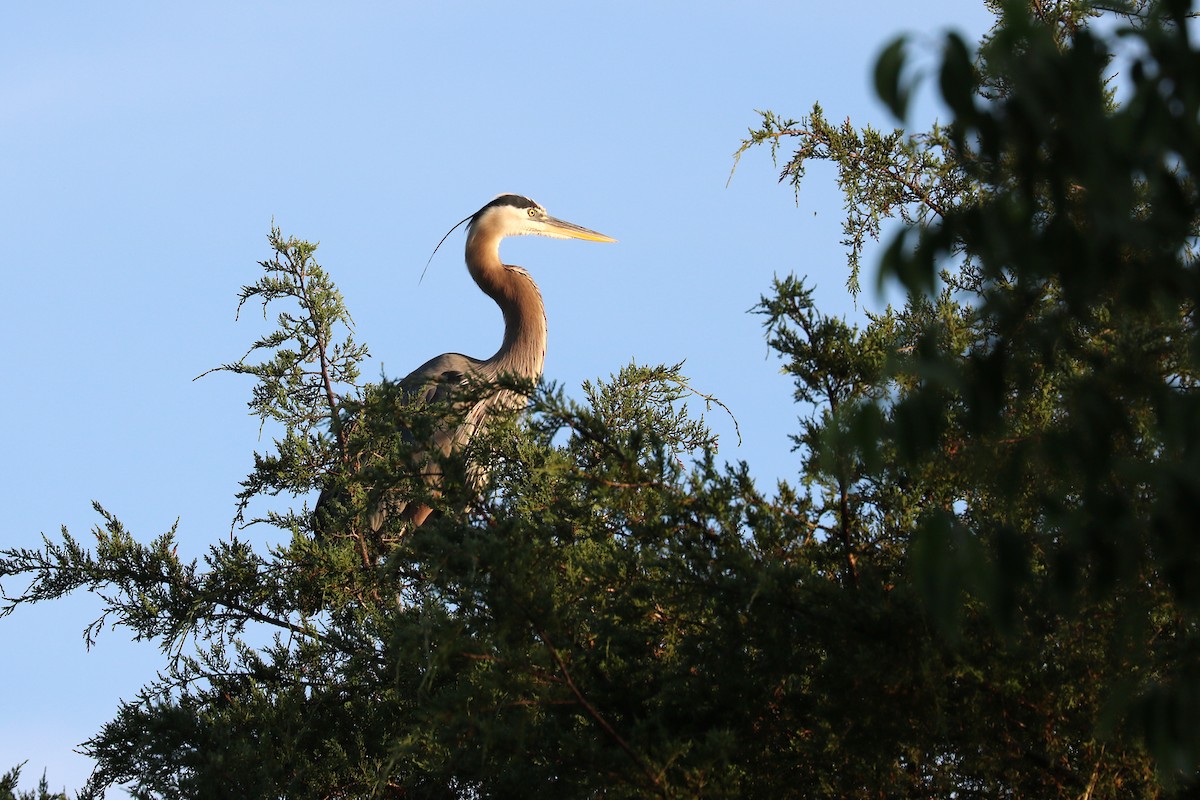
pixel 323 359
pixel 595 714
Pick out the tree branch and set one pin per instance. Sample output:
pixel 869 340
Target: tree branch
pixel 597 717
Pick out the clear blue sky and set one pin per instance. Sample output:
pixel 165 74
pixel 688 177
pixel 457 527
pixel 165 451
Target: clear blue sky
pixel 146 147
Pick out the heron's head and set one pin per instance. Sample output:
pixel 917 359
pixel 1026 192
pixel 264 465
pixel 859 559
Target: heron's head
pixel 513 215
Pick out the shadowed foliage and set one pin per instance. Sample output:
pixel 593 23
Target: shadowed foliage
pixel 979 585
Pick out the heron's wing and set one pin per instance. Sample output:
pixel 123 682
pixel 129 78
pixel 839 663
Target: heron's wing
pixel 435 383
pixel 432 383
pixel 436 379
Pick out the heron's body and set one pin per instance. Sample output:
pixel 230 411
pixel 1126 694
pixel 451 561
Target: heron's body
pixel 522 352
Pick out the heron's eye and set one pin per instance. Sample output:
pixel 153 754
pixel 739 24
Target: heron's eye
pixel 533 212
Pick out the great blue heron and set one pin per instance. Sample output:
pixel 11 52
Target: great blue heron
pixel 522 352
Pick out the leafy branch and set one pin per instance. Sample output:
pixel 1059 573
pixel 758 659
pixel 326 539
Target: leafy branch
pixel 915 178
pixel 309 362
pixel 149 590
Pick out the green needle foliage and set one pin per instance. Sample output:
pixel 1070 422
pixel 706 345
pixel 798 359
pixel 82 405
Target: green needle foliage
pixel 980 585
pixel 9 791
pixel 1026 425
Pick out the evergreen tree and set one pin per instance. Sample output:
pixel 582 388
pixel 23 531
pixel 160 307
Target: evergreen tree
pixel 1029 436
pixel 978 587
pixel 9 791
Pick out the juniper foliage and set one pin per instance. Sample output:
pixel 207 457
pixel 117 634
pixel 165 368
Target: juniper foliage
pixel 978 585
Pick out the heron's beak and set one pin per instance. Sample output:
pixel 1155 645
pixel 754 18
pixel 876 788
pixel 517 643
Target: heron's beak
pixel 572 231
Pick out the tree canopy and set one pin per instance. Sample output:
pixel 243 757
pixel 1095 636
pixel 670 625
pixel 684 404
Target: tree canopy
pixel 981 584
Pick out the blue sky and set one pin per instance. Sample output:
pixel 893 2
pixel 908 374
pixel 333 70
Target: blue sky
pixel 145 149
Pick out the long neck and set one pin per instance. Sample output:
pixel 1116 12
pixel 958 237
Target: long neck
pixel 523 352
